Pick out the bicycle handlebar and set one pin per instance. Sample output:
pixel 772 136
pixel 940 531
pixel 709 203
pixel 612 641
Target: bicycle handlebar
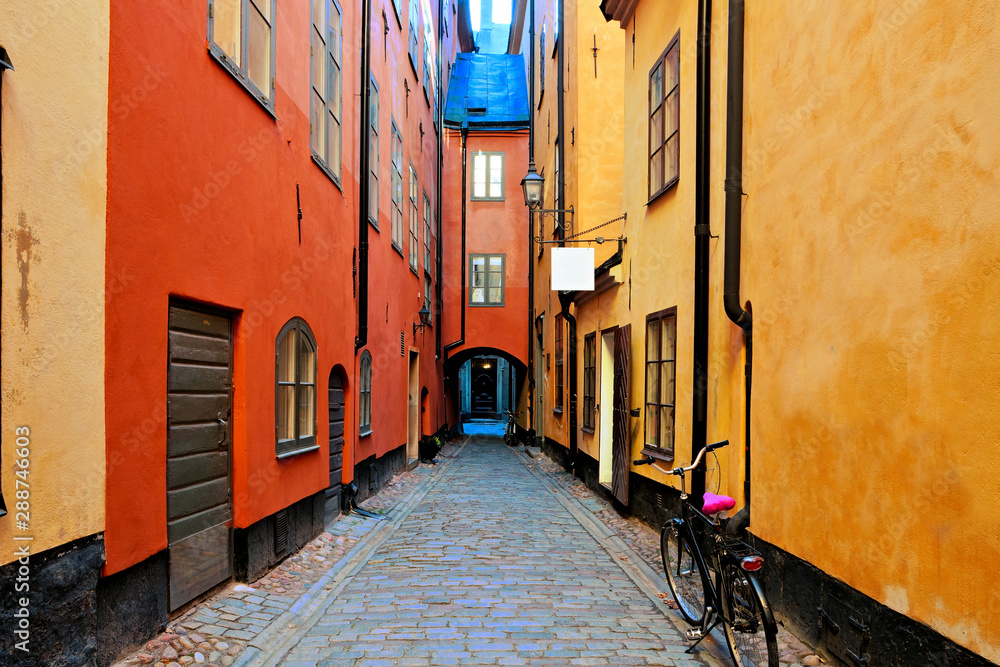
pixel 649 460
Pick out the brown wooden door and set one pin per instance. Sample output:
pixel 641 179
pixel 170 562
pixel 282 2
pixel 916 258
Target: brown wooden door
pixel 199 489
pixel 620 439
pixel 336 433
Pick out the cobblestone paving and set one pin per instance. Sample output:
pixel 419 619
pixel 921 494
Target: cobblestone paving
pixel 488 569
pixel 645 541
pixel 215 631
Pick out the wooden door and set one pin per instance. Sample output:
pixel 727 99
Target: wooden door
pixel 199 487
pixel 484 387
pixel 336 414
pixel 620 440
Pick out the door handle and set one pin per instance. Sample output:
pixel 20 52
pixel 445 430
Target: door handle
pixel 222 422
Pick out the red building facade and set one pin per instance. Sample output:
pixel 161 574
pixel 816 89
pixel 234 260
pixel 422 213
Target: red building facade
pixel 240 397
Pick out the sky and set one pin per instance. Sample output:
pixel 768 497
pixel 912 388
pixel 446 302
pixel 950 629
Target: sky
pixel 501 12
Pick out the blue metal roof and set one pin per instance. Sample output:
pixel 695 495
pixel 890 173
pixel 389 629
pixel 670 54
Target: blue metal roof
pixel 487 90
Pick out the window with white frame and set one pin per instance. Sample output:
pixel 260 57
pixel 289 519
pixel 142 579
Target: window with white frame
pixel 397 188
pixel 365 395
pixel 241 37
pixel 414 39
pixel 427 234
pixel 325 107
pixel 414 221
pixel 486 278
pixel 295 389
pixel 373 155
pixel 487 176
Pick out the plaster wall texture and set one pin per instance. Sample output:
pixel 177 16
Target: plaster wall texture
pixel 55 110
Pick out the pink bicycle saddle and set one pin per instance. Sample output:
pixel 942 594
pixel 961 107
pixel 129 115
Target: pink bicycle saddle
pixel 714 503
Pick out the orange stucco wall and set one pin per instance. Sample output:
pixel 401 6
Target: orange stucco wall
pixel 202 206
pixel 491 227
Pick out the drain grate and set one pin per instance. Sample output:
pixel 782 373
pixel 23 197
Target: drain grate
pixel 281 533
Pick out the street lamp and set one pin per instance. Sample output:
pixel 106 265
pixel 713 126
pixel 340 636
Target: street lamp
pixel 533 185
pixel 425 319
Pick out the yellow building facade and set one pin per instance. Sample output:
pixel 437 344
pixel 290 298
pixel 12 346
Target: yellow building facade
pixel 54 167
pixel 868 264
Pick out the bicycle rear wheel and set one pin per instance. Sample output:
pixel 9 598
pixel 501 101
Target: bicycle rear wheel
pixel 683 573
pixel 750 631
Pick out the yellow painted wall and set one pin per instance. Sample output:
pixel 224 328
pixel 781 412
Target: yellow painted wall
pixel 55 109
pixel 872 255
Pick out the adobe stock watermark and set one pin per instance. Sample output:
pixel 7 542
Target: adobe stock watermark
pixel 22 538
pixel 218 181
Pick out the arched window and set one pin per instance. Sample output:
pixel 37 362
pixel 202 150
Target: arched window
pixel 295 389
pixel 365 395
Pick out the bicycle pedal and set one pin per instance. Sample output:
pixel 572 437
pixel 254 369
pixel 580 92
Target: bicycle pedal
pixel 693 633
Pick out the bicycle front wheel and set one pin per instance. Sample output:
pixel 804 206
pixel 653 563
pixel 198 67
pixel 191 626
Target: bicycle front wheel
pixel 683 573
pixel 750 632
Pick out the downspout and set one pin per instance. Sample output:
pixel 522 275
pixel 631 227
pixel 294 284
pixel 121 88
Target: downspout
pixel 438 306
pixel 362 338
pixel 561 113
pixel 531 221
pixel 565 299
pixel 734 221
pixel 702 233
pixel 465 135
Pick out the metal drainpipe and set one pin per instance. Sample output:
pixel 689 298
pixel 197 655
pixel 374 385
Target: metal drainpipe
pixel 531 221
pixel 702 232
pixel 734 221
pixel 465 136
pixel 438 306
pixel 362 338
pixel 561 113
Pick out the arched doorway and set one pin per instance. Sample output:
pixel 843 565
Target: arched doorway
pixel 337 412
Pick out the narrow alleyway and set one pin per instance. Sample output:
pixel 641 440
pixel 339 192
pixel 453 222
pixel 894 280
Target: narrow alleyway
pixel 487 567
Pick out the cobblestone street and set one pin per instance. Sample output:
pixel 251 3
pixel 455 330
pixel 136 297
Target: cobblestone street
pixel 492 557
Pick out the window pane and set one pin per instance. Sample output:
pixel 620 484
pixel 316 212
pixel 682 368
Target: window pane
pixel 656 87
pixel 479 190
pixel 478 295
pixel 264 7
pixel 334 88
pixel 226 28
pixel 669 334
pixel 656 171
pixel 667 428
pixel 652 383
pixel 478 277
pixel 259 52
pixel 319 9
pixel 656 130
pixel 319 81
pixel 496 166
pixel 671 158
pixel 286 357
pixel 651 425
pixel 333 42
pixel 496 279
pixel 307 410
pixel 307 361
pixel 652 338
pixel 318 126
pixel 286 408
pixel 669 109
pixel 333 144
pixel 496 191
pixel 672 67
pixel 496 295
pixel 667 382
pixel 479 168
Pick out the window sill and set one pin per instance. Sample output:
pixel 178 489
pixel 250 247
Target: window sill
pixel 295 452
pixel 223 60
pixel 415 270
pixel 658 454
pixel 557 411
pixel 485 305
pixel 374 223
pixel 365 434
pixel 318 161
pixel 398 249
pixel 669 186
pixel 497 199
pixel 588 429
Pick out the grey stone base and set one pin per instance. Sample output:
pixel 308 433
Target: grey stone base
pixel 254 548
pixel 131 607
pixel 374 473
pixel 60 585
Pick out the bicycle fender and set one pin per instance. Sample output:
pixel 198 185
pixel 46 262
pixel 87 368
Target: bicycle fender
pixel 765 605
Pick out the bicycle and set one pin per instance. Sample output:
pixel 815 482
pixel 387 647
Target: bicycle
pixel 510 434
pixel 732 596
